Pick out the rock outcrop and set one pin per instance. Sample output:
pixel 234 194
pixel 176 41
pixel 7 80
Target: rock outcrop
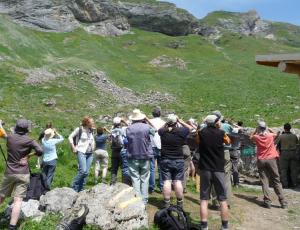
pixel 103 17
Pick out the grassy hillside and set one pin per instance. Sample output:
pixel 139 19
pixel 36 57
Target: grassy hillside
pixel 222 76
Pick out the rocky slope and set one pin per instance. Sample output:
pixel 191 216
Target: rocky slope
pixel 102 17
pixel 114 18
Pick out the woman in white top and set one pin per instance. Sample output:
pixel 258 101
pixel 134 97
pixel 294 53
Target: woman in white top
pixel 83 144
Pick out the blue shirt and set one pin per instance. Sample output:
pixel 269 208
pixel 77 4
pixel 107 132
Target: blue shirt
pixel 49 148
pixel 101 141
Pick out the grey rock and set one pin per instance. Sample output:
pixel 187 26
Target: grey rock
pixel 115 27
pixel 161 17
pixel 29 209
pixel 114 207
pixel 58 200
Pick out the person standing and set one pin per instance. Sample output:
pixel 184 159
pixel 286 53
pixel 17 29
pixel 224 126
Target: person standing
pixel 139 152
pixel 101 155
pixel 117 144
pixel 156 146
pixel 267 163
pixel 16 177
pixel 211 165
pixel 82 143
pixel 173 139
pixel 49 159
pixel 289 158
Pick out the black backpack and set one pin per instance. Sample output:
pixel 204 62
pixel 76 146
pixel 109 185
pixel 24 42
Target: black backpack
pixel 172 218
pixel 36 187
pixel 75 219
pixel 77 137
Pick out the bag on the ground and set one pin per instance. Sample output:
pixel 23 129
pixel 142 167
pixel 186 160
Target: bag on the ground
pixel 172 218
pixel 36 187
pixel 75 219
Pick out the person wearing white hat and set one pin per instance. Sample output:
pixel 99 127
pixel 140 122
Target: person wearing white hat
pixel 173 136
pixel 49 160
pixel 139 152
pixel 267 163
pixel 211 165
pixel 117 144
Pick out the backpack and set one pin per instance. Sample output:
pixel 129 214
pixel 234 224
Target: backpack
pixel 77 137
pixel 36 187
pixel 172 218
pixel 74 219
pixel 116 139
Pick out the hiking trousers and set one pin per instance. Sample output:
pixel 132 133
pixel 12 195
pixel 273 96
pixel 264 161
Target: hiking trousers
pixel 268 169
pixel 289 161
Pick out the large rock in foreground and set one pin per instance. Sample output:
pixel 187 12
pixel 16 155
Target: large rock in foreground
pixel 114 207
pixel 110 207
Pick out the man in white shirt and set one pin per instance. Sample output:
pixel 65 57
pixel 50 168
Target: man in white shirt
pixel 156 145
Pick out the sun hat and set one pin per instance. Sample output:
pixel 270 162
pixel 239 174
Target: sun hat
pixel 210 119
pixel 262 125
pixel 172 118
pixel 117 120
pixel 49 133
pixel 137 115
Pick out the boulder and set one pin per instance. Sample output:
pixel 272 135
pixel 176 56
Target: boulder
pixel 29 209
pixel 114 207
pixel 58 200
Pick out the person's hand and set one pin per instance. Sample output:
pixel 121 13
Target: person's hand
pixel 1 123
pixel 74 150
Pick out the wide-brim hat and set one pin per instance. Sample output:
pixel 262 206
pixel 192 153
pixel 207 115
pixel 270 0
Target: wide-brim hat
pixel 137 115
pixel 49 133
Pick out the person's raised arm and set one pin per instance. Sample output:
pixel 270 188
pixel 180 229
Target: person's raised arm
pixel 180 121
pixel 252 135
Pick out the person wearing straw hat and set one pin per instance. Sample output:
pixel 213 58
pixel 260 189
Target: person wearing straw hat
pixel 139 152
pixel 50 155
pixel 16 177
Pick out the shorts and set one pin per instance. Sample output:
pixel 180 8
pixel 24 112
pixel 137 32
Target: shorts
pixel 14 185
pixel 172 169
pixel 101 158
pixel 209 178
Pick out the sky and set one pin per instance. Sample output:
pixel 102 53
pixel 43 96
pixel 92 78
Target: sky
pixel 273 10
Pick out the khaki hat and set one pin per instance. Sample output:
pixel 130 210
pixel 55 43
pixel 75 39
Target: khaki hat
pixel 211 119
pixel 137 115
pixel 172 118
pixel 49 133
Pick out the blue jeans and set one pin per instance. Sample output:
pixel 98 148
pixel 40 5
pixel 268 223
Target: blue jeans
pixel 48 172
pixel 140 173
pixel 84 165
pixel 156 152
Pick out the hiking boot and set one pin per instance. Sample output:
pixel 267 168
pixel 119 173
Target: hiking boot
pixel 222 228
pixel 267 205
pixel 284 205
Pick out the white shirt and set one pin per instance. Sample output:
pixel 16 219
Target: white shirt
pixel 155 140
pixel 86 140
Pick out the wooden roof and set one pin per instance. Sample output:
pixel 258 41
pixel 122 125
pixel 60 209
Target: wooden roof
pixel 288 63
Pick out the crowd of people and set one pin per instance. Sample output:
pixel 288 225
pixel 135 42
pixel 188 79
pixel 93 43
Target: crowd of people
pixel 209 151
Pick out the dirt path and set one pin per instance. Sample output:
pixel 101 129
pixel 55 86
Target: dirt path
pixel 246 212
